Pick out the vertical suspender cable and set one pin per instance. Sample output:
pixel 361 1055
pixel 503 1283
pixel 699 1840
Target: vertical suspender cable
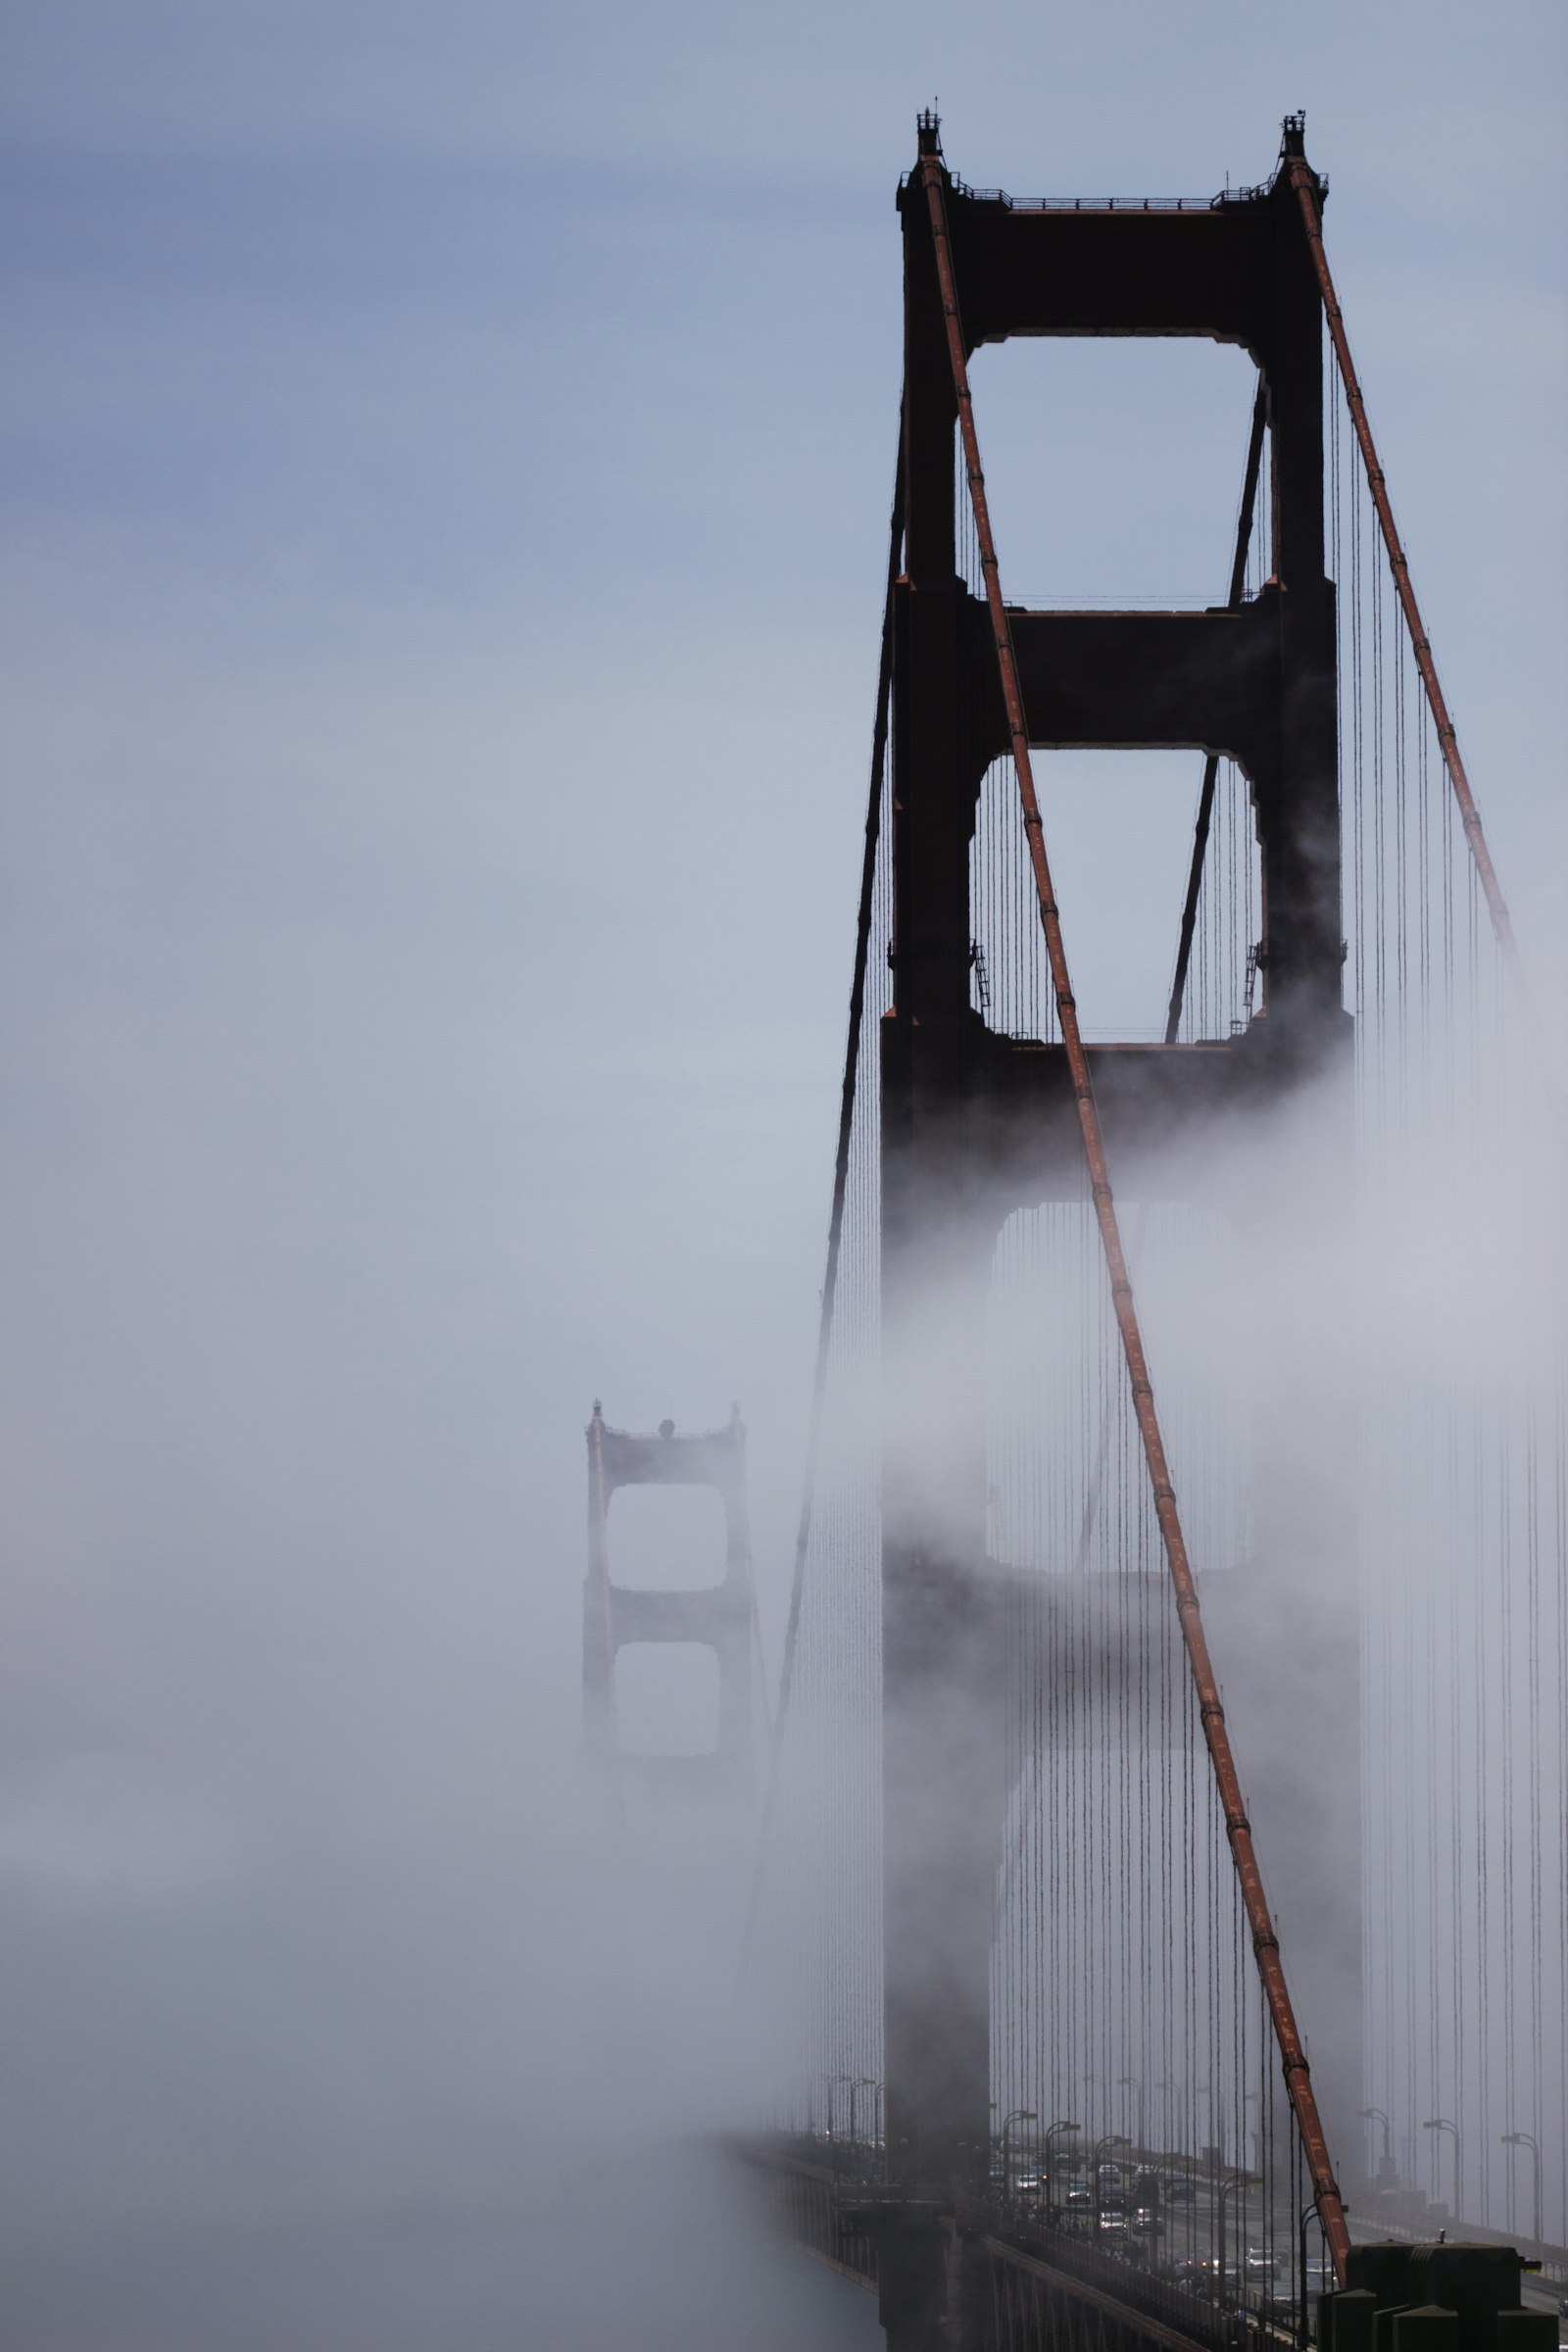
pixel 835 1229
pixel 1485 878
pixel 1205 799
pixel 1307 189
pixel 1238 1828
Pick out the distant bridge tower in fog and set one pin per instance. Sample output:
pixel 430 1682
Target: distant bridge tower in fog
pixel 721 1617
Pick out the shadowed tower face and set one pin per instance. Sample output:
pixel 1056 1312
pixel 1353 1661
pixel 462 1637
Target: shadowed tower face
pixel 977 1125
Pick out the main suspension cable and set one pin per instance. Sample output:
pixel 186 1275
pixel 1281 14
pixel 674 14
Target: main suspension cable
pixel 1238 1828
pixel 835 1229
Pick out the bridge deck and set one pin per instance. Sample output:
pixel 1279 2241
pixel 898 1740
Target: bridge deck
pixel 1028 2282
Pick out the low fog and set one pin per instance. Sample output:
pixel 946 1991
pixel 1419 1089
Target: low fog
pixel 447 475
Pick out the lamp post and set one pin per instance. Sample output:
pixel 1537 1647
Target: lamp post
pixel 1253 2098
pixel 862 2082
pixel 1134 2083
pixel 1045 2149
pixel 1441 2123
pixel 1019 2115
pixel 1375 2115
pixel 833 2142
pixel 1236 2181
pixel 1524 2139
pixel 1175 2126
pixel 1308 2216
pixel 1112 2140
pixel 853 2084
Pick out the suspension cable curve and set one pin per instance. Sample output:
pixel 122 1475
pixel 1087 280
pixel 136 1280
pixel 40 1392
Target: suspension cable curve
pixel 1238 1828
pixel 1205 799
pixel 835 1229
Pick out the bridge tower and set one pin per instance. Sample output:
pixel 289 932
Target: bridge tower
pixel 721 1617
pixel 977 1124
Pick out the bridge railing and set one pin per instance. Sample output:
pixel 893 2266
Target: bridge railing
pixel 1036 2285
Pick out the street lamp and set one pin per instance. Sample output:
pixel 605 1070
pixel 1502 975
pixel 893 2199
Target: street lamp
pixel 1309 2214
pixel 1236 2181
pixel 1019 2115
pixel 1375 2115
pixel 1134 2083
pixel 834 2144
pixel 1252 2099
pixel 1523 2140
pixel 1112 2140
pixel 853 2084
pixel 1441 2123
pixel 1044 2151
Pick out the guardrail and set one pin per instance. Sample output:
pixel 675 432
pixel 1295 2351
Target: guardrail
pixel 1029 2287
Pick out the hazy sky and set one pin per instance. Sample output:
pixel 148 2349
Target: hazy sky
pixel 447 461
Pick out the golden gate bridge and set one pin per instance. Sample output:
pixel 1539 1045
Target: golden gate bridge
pixel 1161 1896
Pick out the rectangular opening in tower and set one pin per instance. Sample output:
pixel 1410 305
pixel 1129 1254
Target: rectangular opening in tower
pixel 1119 831
pixel 1113 468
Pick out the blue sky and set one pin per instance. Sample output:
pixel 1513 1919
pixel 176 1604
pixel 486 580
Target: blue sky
pixel 446 460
